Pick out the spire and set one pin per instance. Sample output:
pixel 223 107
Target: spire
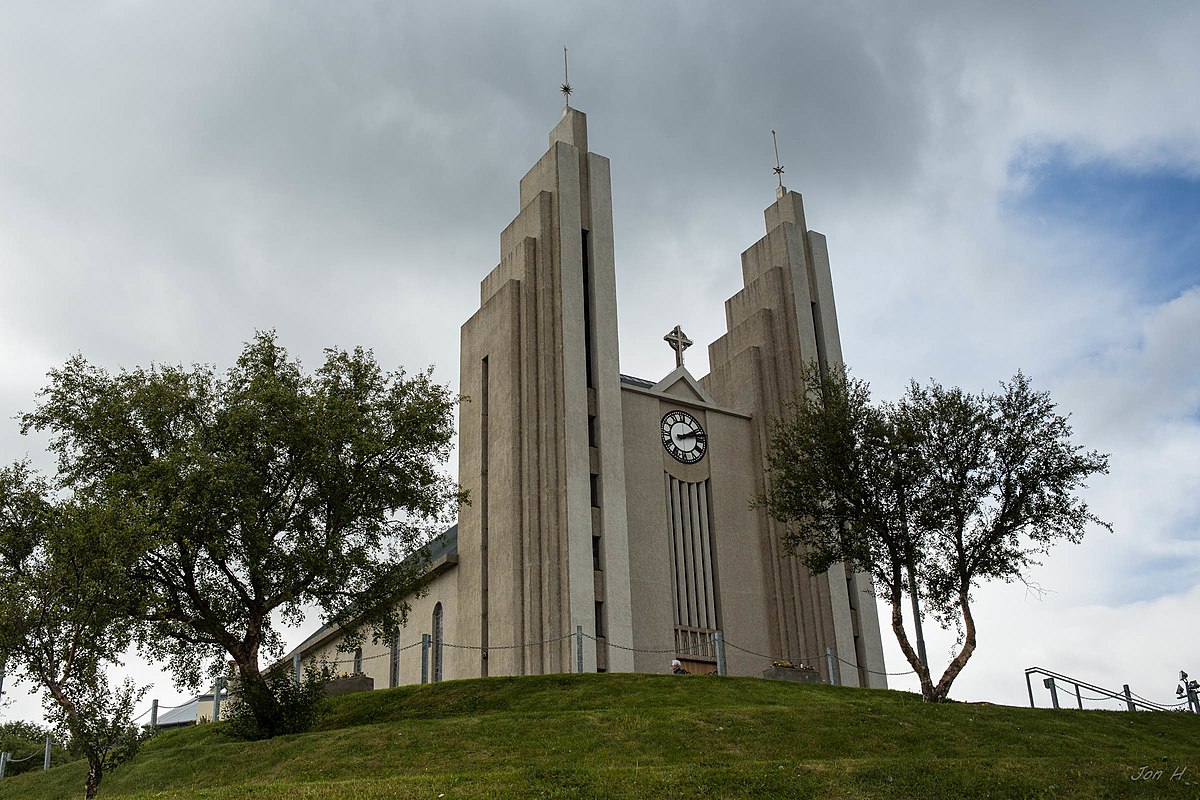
pixel 566 85
pixel 778 169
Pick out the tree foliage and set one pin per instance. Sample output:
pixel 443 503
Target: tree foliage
pixel 64 594
pixel 300 702
pixel 257 492
pixel 942 490
pixel 24 739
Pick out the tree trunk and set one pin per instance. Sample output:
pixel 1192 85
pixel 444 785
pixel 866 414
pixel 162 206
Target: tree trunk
pixel 94 775
pixel 258 697
pixel 942 690
pixel 902 637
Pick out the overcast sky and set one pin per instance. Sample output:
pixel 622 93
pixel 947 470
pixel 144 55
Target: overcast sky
pixel 1004 186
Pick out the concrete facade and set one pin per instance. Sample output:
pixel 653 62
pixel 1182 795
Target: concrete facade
pixel 580 518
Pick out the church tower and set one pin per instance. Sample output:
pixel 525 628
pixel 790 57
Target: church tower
pixel 783 319
pixel 543 545
pixel 619 507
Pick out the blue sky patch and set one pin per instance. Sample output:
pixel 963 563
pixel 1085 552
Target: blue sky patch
pixel 1153 216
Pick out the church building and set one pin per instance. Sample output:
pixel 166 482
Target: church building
pixel 614 510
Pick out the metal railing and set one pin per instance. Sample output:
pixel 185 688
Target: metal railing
pixel 1051 681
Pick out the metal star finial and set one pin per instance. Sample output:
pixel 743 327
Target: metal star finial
pixel 679 342
pixel 566 87
pixel 778 168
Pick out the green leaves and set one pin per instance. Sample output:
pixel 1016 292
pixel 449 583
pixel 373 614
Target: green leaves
pixel 66 598
pixel 264 488
pixel 951 487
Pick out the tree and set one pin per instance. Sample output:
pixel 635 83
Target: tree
pixel 260 491
pixel 29 738
pixel 64 589
pixel 931 495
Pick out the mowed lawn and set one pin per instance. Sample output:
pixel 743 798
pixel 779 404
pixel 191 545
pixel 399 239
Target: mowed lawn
pixel 662 736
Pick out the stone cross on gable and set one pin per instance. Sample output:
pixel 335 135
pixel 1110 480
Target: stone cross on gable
pixel 679 342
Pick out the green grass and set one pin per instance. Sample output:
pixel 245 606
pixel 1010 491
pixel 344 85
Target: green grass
pixel 660 736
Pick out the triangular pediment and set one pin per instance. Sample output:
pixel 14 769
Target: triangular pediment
pixel 681 384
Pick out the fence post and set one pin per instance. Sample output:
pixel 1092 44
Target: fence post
pixel 1049 684
pixel 1128 697
pixel 833 675
pixel 296 668
pixel 1029 687
pixel 579 649
pixel 3 763
pixel 424 658
pixel 46 757
pixel 153 714
pixel 719 640
pixel 217 686
pixel 1078 697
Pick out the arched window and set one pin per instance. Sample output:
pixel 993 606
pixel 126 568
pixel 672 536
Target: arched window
pixel 437 642
pixel 358 661
pixel 394 673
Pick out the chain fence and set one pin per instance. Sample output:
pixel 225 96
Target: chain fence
pixel 695 650
pixel 12 760
pixel 703 650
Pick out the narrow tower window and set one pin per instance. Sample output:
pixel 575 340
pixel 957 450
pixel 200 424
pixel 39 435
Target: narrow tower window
pixel 483 521
pixel 588 339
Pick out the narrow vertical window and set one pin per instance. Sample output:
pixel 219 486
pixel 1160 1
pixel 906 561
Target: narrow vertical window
pixel 587 311
pixel 394 671
pixel 483 519
pixel 437 642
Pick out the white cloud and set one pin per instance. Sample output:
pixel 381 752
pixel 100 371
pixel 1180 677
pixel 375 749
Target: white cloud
pixel 1143 644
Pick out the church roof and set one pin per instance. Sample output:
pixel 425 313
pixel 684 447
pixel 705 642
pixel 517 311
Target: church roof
pixel 444 544
pixel 641 383
pixel 443 552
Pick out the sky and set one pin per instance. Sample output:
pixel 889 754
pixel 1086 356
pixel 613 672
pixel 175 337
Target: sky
pixel 1004 186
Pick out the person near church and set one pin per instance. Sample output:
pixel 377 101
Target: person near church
pixel 677 668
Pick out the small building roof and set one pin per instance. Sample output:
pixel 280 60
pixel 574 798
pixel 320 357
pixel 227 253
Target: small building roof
pixel 190 712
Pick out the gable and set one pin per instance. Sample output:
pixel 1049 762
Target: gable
pixel 681 384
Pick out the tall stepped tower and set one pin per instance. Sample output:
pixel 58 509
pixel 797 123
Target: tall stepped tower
pixel 783 319
pixel 541 438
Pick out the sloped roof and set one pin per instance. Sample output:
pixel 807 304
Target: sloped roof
pixel 641 383
pixel 189 712
pixel 443 553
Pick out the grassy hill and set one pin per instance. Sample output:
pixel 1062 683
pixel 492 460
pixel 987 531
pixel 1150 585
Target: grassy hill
pixel 661 736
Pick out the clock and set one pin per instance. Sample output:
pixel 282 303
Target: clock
pixel 683 437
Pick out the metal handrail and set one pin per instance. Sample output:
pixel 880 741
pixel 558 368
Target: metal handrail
pixel 1125 695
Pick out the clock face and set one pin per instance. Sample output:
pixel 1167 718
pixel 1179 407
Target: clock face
pixel 683 437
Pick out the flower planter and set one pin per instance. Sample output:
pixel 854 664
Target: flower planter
pixel 349 685
pixel 792 674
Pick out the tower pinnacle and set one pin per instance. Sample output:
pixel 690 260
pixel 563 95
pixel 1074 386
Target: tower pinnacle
pixel 778 169
pixel 566 86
